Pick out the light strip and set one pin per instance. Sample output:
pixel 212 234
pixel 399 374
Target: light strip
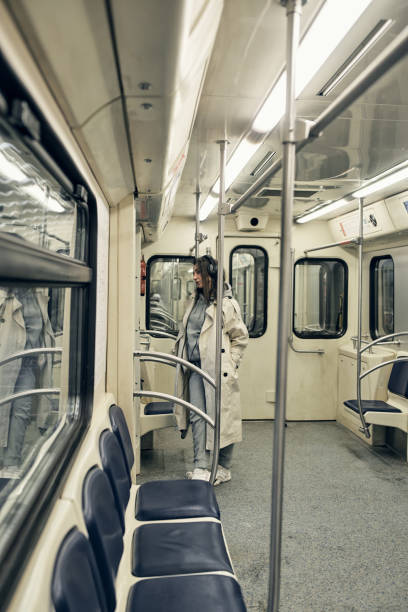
pixel 381 183
pixel 265 161
pixel 323 210
pixel 375 34
pixel 382 180
pixel 332 23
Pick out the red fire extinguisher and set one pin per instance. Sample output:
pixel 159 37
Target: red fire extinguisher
pixel 142 276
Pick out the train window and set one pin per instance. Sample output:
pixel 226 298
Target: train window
pixel 249 281
pixel 381 296
pixel 47 327
pixel 320 298
pixel 168 287
pixel 33 204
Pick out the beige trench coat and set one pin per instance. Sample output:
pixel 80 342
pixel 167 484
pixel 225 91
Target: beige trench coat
pixel 12 340
pixel 234 342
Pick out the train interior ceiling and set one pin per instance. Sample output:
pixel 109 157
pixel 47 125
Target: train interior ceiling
pixel 112 118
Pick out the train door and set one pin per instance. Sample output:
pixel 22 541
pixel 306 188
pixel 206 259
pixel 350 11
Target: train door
pixel 252 265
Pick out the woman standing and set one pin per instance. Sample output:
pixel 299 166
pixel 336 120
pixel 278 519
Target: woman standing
pixel 196 343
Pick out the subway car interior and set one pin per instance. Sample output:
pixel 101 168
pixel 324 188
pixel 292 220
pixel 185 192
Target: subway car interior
pixel 136 137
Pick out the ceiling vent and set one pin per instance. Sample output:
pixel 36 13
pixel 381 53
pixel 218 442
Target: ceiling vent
pixel 267 192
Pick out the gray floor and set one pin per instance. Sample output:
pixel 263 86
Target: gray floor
pixel 345 535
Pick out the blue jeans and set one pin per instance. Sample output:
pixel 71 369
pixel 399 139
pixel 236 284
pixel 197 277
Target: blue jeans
pixel 198 427
pixel 20 414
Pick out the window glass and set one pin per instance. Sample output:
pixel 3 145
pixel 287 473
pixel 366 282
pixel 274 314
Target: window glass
pixel 169 287
pixel 320 298
pixel 33 205
pixel 248 273
pixel 33 376
pixel 381 296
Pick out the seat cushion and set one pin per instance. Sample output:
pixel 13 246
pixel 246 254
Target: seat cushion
pixel 161 549
pixel 371 406
pixel 76 584
pixel 121 431
pixel 172 499
pixel 398 382
pixel 113 463
pixel 211 592
pixel 105 531
pixel 156 408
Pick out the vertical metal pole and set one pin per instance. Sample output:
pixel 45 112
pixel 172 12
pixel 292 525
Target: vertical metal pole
pixel 364 429
pixel 197 227
pixel 293 12
pixel 222 211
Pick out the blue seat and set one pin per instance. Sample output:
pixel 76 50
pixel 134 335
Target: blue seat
pixel 104 528
pixel 113 462
pixel 157 408
pixel 76 585
pixel 161 549
pixel 371 406
pixel 205 593
pixel 172 499
pixel 121 431
pixel 398 384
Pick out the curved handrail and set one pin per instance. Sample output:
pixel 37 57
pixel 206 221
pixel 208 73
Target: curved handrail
pixel 34 351
pixel 382 338
pixel 183 362
pixel 157 360
pixel 152 332
pixel 381 365
pixel 15 396
pixel 175 400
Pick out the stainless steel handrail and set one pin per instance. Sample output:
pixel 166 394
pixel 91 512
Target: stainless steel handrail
pixel 332 245
pixel 156 359
pixel 293 12
pixel 382 338
pixel 28 352
pixel 15 396
pixel 382 365
pixel 175 400
pixel 175 359
pixel 152 332
pixel 305 351
pixel 364 427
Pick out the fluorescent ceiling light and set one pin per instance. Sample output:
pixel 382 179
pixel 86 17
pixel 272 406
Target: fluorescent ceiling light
pixel 375 34
pixel 207 207
pixel 380 183
pixel 323 211
pixel 329 28
pixel 332 23
pixel 239 159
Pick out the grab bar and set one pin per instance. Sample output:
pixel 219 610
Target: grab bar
pixel 175 400
pixel 165 356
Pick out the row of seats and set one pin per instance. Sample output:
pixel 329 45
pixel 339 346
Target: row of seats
pixel 179 560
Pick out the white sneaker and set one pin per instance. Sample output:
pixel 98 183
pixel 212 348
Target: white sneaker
pixel 222 475
pixel 200 474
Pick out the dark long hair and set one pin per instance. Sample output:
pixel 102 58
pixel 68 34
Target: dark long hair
pixel 206 266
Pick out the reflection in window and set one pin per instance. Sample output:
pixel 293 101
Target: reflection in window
pixel 248 273
pixel 320 298
pixel 33 205
pixel 169 287
pixel 381 296
pixel 30 377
